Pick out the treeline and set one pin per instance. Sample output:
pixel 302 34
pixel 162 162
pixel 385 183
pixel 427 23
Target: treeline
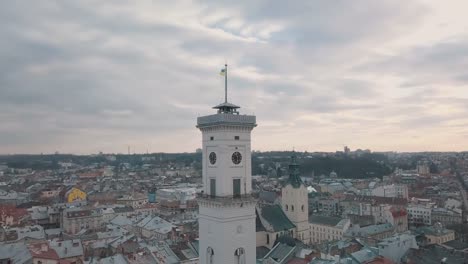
pixel 368 165
pixel 364 166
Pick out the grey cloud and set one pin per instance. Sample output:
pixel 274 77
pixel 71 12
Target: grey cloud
pixel 89 72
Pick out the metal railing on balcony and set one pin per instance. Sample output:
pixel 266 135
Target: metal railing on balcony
pixel 233 198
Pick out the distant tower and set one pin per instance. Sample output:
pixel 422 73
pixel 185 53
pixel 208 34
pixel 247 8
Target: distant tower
pixel 295 203
pixel 346 150
pixel 152 195
pixel 227 210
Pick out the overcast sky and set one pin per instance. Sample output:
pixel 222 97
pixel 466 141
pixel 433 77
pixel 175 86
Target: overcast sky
pixel 87 76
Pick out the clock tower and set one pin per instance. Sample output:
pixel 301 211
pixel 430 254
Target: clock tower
pixel 226 207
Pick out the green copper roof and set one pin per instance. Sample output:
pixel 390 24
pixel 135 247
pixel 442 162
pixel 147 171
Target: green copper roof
pixel 273 218
pixel 294 177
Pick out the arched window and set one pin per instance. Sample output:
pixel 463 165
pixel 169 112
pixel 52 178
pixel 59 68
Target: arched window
pixel 302 208
pixel 286 208
pixel 292 208
pixel 240 255
pixel 209 255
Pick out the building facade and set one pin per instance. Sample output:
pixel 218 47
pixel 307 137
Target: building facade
pixel 419 214
pixel 325 228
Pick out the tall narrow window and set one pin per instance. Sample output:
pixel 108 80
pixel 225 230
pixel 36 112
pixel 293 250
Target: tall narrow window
pixel 209 255
pixel 236 188
pixel 240 254
pixel 213 187
pixel 211 138
pixel 268 239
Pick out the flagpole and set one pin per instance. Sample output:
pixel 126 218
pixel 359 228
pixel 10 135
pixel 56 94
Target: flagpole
pixel 225 83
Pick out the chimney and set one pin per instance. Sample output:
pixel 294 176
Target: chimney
pixel 44 247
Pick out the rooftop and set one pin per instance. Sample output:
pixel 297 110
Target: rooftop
pixel 324 220
pixel 226 119
pixel 272 218
pixel 67 248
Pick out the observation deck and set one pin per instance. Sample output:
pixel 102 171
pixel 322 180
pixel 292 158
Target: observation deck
pixel 226 201
pixel 226 119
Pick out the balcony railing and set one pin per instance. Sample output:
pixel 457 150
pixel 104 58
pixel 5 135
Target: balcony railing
pixel 225 199
pixel 226 118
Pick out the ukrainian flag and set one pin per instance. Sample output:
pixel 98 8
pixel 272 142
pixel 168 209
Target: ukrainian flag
pixel 222 72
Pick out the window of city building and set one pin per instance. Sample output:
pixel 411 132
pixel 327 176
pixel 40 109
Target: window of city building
pixel 209 255
pixel 240 254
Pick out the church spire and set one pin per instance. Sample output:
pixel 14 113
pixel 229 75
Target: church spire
pixel 294 174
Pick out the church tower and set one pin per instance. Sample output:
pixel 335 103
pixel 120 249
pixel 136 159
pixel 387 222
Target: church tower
pixel 295 202
pixel 226 207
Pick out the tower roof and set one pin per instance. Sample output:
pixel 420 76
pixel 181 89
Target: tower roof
pixel 294 177
pixel 227 108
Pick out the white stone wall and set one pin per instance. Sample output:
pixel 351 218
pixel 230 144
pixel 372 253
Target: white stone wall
pixel 225 229
pixel 295 204
pixel 225 226
pixel 416 213
pixel 224 170
pixel 321 233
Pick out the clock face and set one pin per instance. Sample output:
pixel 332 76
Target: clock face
pixel 212 158
pixel 236 157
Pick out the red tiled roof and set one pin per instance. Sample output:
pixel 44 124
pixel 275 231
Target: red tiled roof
pixel 16 213
pixel 377 199
pixel 297 261
pixel 91 174
pixel 380 260
pixel 42 250
pixel 396 212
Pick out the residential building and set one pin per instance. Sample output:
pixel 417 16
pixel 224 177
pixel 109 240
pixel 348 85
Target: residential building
pixel 419 214
pixel 393 190
pixel 371 234
pixel 135 200
pixel 397 246
pixel 323 228
pixel 70 250
pixel 155 227
pixel 446 216
pixel 75 195
pixel 436 234
pixel 79 219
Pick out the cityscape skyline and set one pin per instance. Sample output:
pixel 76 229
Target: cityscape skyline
pixel 386 77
